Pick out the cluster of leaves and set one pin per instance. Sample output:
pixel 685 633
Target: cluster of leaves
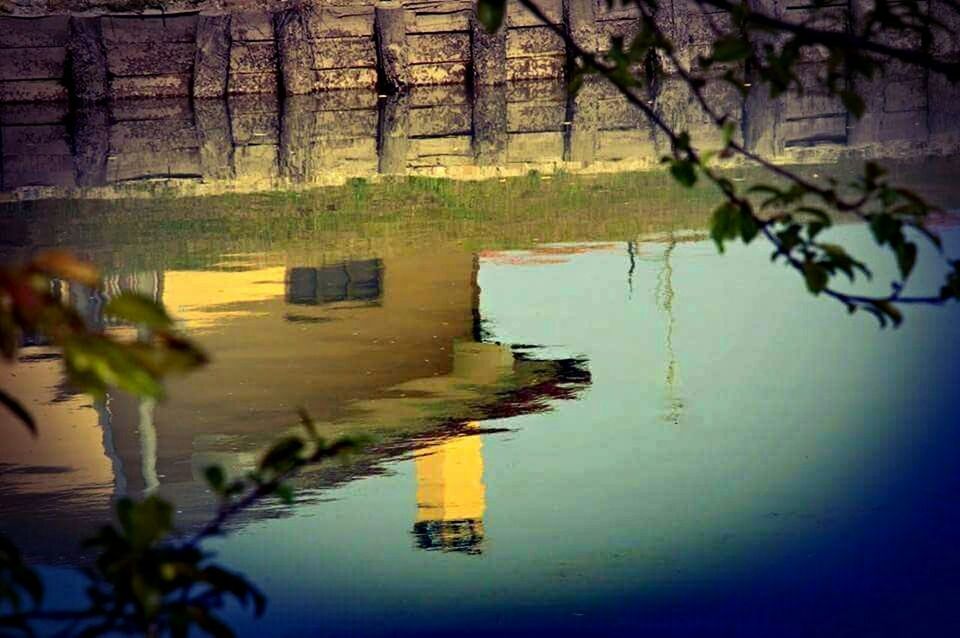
pixel 757 49
pixel 95 360
pixel 147 578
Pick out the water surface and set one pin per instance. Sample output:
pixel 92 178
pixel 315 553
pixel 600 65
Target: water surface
pixel 586 420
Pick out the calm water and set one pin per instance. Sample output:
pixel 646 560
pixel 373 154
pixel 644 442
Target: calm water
pixel 586 420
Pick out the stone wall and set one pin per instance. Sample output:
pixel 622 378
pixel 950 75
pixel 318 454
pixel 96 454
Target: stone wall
pixel 252 142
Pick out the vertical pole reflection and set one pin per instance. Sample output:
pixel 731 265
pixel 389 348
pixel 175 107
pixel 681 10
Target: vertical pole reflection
pixel 665 296
pixel 451 496
pixel 148 446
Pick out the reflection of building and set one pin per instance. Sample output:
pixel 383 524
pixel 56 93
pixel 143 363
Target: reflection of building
pixel 348 281
pixel 402 363
pixel 451 495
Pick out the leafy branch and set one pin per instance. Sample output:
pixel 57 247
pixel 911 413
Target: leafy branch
pixel 791 217
pixel 148 578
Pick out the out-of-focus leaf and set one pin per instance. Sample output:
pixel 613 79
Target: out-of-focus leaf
pixel 853 103
pixel 282 454
pixel 62 264
pixel 145 522
pixel 906 258
pixel 724 224
pixel 216 478
pixel 97 361
pixel 730 49
pixel 490 13
pixel 815 276
pixel 684 172
pixel 138 309
pixel 285 493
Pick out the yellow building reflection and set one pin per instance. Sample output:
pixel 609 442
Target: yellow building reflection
pixel 451 496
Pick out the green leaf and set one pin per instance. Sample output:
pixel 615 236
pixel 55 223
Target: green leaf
pixel 730 48
pixel 63 265
pixel 96 362
pixel 684 172
pixel 853 102
pixel 18 411
pixel 490 13
pixel 283 454
pixel 891 311
pixel 724 224
pixel 139 309
pixel 906 257
pixel 748 226
pixel 729 130
pixel 285 493
pixel 145 522
pixel 816 277
pixel 216 477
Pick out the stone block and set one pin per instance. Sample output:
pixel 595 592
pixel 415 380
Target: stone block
pixel 432 121
pixel 535 68
pixel 438 47
pixel 346 79
pixel 337 22
pixel 44 63
pixel 51 31
pixel 252 26
pixel 531 41
pixel 130 29
pixel 253 57
pixel 337 53
pixel 439 73
pixel 520 16
pixel 154 58
pixel 535 147
pixel 42 139
pixel 150 86
pixel 240 83
pixel 535 116
pixel 32 91
pixel 438 16
pixel 152 135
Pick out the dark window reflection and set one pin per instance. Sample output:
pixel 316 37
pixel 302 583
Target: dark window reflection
pixel 349 281
pixel 464 535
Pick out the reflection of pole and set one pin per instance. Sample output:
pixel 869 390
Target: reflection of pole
pixel 148 446
pixel 632 254
pixel 105 419
pixel 665 295
pixel 475 301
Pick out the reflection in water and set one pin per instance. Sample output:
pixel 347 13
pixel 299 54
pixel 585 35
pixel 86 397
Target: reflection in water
pixel 349 281
pixel 261 142
pixel 798 481
pixel 394 358
pixel 664 295
pixel 451 495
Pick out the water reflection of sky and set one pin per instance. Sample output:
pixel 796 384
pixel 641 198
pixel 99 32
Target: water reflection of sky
pixel 741 460
pixel 804 490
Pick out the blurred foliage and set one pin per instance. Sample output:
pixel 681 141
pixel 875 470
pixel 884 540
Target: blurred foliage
pixel 31 304
pixel 758 48
pixel 148 578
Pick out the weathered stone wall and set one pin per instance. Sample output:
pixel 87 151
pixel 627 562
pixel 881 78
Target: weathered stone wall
pixel 257 142
pixel 321 45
